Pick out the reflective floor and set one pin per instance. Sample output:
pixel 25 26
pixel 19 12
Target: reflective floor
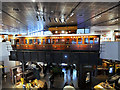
pixel 59 80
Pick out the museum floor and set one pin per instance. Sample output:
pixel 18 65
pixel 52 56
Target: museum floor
pixel 59 81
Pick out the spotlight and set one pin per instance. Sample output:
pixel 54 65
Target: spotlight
pixel 71 14
pixel 65 56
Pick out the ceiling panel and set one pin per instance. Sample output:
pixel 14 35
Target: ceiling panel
pixel 23 18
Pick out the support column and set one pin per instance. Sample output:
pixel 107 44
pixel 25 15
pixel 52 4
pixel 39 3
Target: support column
pixel 83 76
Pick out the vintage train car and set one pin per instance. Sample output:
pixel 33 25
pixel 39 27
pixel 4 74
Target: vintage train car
pixel 57 42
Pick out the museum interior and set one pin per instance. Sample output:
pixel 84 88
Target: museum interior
pixel 60 45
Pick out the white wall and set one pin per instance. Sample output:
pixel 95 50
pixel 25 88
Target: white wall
pixel 4 56
pixel 103 28
pixel 110 50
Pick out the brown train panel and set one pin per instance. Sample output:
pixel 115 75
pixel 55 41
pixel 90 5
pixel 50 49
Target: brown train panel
pixel 58 43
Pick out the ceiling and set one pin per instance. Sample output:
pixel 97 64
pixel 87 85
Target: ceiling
pixel 23 16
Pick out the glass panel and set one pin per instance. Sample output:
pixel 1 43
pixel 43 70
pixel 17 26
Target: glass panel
pixel 74 41
pixel 86 40
pixel 80 40
pixel 96 40
pixel 43 41
pixel 67 41
pixel 91 40
pixel 87 30
pixel 30 41
pixel 39 41
pixel 80 31
pixel 25 41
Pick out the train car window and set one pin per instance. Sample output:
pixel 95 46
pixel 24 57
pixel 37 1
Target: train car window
pixel 80 40
pixel 74 41
pixel 67 41
pixel 26 41
pixel 35 41
pixel 43 41
pixel 91 40
pixel 30 41
pixel 22 41
pixel 52 41
pixel 86 40
pixel 57 41
pixel 47 41
pixel 96 40
pixel 60 41
pixel 39 41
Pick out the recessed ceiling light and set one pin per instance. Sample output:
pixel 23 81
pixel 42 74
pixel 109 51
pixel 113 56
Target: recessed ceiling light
pixel 33 0
pixel 38 12
pixel 52 11
pixel 72 21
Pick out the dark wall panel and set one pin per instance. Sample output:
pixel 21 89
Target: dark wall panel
pixel 27 56
pixel 57 57
pixel 41 56
pixel 83 58
pixel 49 57
pixel 34 56
pixel 20 56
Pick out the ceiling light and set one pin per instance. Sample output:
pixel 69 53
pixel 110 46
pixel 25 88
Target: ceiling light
pixel 33 0
pixel 38 12
pixel 52 11
pixel 67 19
pixel 56 31
pixel 72 21
pixel 62 20
pixel 71 14
pixel 55 19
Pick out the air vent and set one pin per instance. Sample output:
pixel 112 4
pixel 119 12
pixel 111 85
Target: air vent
pixel 16 9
